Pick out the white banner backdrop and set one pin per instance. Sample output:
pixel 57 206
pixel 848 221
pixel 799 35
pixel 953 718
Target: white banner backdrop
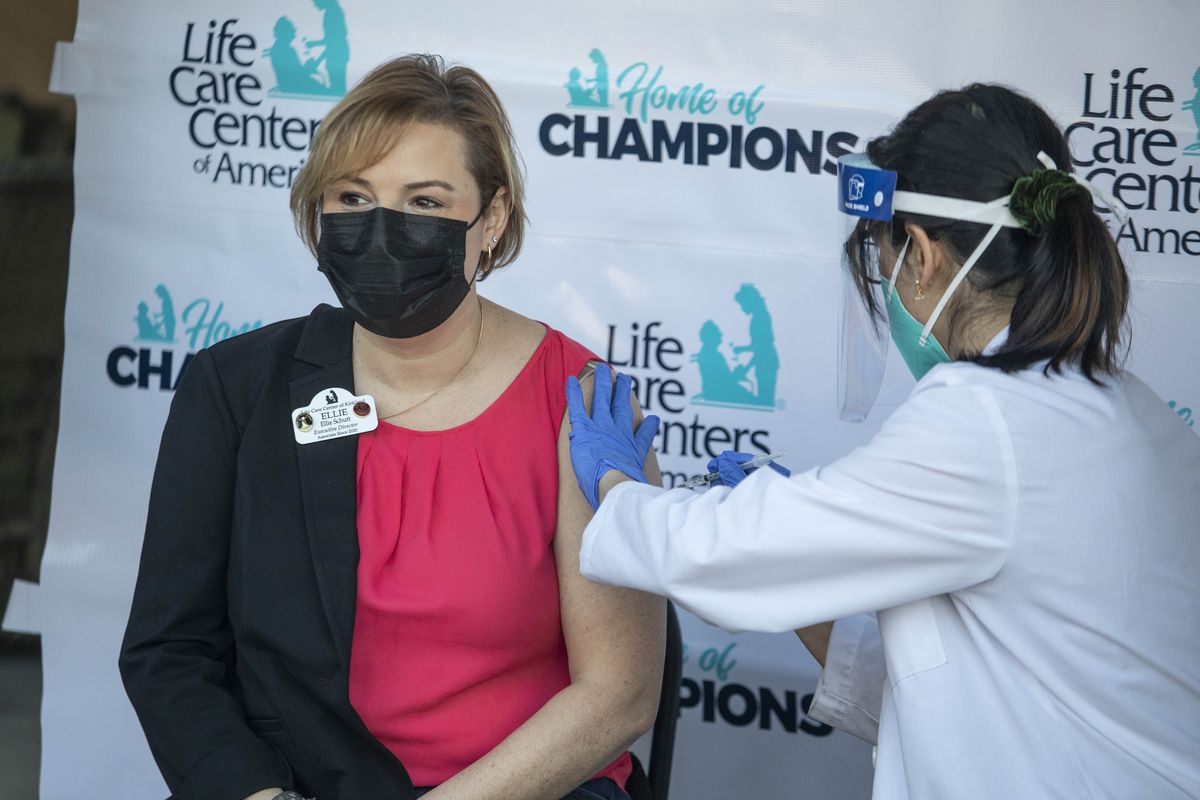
pixel 679 161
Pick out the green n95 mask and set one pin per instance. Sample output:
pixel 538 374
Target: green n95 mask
pixel 920 353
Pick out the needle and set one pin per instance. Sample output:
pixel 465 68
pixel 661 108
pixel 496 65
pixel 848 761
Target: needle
pixel 757 461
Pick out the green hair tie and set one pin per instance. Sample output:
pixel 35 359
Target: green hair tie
pixel 1035 198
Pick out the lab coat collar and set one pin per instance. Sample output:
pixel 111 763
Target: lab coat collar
pixel 996 343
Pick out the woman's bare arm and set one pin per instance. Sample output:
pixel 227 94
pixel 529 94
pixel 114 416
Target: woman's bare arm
pixel 615 643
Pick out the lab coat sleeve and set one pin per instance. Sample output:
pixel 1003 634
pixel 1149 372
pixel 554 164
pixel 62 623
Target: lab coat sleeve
pixel 849 693
pixel 927 507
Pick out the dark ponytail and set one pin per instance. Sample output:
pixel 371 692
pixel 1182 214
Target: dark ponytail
pixel 1062 272
pixel 1071 307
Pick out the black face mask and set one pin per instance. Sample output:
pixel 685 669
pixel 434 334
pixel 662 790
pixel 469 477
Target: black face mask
pixel 399 275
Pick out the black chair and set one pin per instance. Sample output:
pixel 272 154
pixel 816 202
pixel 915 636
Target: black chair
pixel 657 784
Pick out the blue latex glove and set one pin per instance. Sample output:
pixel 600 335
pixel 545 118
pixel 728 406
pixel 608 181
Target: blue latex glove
pixel 606 440
pixel 731 474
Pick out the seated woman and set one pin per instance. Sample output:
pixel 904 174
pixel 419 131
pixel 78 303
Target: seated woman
pixel 719 383
pixel 397 611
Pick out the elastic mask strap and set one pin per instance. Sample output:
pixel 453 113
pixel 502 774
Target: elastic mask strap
pixel 962 274
pixel 891 285
pixel 482 209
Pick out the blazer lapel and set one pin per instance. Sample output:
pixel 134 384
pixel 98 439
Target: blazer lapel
pixel 328 475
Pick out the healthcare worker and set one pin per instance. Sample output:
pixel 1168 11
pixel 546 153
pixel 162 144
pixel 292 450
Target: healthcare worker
pixel 1026 524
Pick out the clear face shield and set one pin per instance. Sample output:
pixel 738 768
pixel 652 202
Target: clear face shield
pixel 865 195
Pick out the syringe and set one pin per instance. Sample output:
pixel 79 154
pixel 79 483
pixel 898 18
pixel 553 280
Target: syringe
pixel 757 461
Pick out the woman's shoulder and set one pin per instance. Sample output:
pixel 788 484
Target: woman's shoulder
pixel 573 357
pixel 260 340
pixel 314 336
pixel 246 364
pixel 535 336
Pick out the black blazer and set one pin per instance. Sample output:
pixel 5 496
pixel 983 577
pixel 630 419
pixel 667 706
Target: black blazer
pixel 237 653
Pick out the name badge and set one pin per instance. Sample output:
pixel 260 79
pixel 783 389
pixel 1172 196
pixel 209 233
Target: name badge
pixel 334 413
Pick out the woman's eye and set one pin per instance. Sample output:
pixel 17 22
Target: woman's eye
pixel 426 203
pixel 351 199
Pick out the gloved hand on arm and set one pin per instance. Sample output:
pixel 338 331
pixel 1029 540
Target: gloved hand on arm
pixel 728 465
pixel 606 440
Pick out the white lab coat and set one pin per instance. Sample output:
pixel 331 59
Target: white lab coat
pixel 1032 546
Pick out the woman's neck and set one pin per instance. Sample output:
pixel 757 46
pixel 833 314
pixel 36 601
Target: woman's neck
pixel 430 359
pixel 979 333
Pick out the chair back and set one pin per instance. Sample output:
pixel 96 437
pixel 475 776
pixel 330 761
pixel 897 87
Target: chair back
pixel 662 742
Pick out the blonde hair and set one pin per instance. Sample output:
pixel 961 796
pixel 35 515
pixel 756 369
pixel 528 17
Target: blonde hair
pixel 364 125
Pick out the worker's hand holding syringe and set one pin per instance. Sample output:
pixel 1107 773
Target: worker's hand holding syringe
pixel 732 467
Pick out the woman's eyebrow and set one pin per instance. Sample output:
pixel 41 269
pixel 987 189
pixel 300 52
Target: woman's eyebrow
pixel 357 181
pixel 427 184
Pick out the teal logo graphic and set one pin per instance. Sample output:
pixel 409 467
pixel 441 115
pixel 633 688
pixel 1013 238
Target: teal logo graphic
pixel 237 86
pixel 202 320
pixel 736 369
pixel 1193 105
pixel 592 92
pixel 156 361
pixel 160 326
pixel 747 378
pixel 321 71
pixel 1185 414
